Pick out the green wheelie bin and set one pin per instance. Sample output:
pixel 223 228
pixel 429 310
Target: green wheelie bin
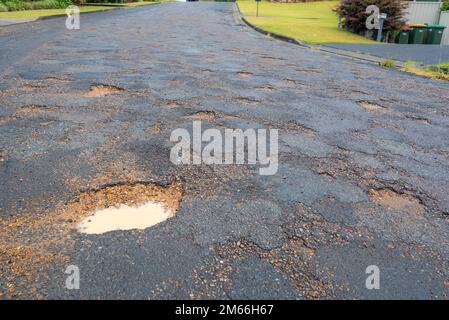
pixel 434 33
pixel 418 34
pixel 403 36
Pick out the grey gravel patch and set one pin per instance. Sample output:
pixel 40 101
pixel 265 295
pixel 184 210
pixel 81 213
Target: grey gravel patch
pixel 334 210
pixel 401 276
pixel 299 184
pixel 154 258
pixel 310 146
pixel 258 280
pixel 222 219
pixel 396 225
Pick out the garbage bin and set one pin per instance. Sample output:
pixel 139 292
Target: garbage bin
pixel 417 34
pixel 434 33
pixel 404 35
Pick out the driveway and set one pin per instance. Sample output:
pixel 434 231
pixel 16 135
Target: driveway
pixel 363 173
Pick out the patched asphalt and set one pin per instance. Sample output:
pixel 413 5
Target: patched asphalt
pixel 309 231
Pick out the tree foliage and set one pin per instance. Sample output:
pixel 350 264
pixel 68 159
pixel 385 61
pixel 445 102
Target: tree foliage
pixel 353 14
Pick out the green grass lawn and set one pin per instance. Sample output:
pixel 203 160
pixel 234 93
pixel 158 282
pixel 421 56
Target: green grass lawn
pixel 47 12
pixel 313 22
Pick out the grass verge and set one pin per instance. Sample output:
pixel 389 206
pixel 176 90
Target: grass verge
pixel 313 22
pixel 439 71
pixel 47 12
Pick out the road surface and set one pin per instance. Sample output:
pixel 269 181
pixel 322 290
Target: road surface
pixel 363 173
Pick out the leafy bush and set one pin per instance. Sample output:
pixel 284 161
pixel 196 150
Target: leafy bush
pixel 13 5
pixel 64 3
pixel 445 6
pixel 354 16
pixel 16 5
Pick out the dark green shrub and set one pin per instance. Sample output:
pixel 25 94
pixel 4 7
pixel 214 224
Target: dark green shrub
pixel 354 16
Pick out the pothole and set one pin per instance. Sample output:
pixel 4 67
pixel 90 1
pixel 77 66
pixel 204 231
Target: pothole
pixel 295 126
pixel 8 118
pixel 418 119
pixel 33 86
pixel 59 79
pixel 126 207
pixel 125 217
pixel 32 244
pixel 245 74
pixel 266 87
pixel 271 58
pixel 393 200
pixel 100 90
pixel 156 128
pixel 234 50
pixel 370 106
pixel 27 111
pixel 175 103
pixel 308 70
pixel 357 90
pixel 296 82
pixel 244 100
pixel 205 115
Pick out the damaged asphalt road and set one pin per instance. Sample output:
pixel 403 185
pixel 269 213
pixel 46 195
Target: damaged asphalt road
pixel 363 173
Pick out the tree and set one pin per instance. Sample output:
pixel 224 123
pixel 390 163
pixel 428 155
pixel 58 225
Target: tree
pixel 353 14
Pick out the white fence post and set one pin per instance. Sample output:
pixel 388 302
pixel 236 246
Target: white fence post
pixel 444 20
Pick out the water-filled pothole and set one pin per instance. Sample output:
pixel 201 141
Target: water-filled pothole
pixel 41 241
pixel 126 207
pixel 125 217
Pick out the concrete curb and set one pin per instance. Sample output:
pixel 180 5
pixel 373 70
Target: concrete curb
pixel 340 52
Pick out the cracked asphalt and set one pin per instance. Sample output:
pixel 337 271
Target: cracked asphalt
pixel 348 131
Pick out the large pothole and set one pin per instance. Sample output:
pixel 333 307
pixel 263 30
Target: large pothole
pixel 100 90
pixel 125 217
pixel 126 207
pixel 204 115
pixel 393 200
pixel 44 241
